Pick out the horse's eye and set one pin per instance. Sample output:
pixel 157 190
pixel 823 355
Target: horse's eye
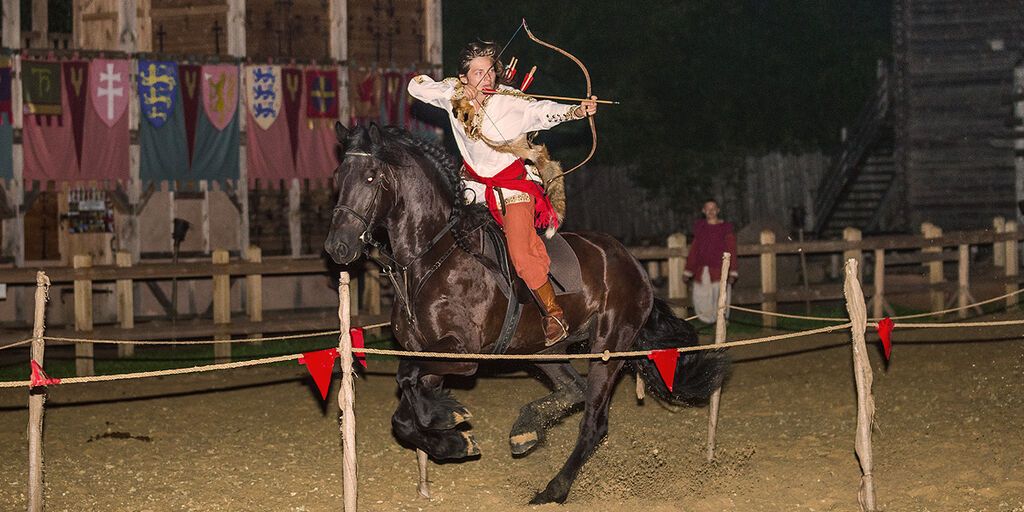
pixel 370 179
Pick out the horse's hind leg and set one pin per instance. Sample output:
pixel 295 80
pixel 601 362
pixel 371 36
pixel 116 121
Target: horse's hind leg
pixel 536 416
pixel 593 428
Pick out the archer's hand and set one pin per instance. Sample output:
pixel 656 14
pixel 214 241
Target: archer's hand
pixel 588 107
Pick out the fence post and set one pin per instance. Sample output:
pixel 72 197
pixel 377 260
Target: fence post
pixel 36 399
pixel 963 280
pixel 935 275
pixel 852 234
pixel 254 288
pixel 125 304
pixel 676 266
pixel 998 254
pixel 719 339
pixel 862 375
pixel 84 364
pixel 221 306
pixel 346 395
pixel 1012 262
pixel 878 300
pixel 768 280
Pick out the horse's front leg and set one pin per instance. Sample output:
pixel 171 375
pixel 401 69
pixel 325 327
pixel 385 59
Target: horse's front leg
pixel 427 416
pixel 536 416
pixel 593 428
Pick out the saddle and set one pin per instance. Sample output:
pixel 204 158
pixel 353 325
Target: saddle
pixel 566 277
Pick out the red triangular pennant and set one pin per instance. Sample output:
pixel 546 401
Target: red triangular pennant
pixel 39 377
pixel 665 360
pixel 885 333
pixel 357 342
pixel 320 364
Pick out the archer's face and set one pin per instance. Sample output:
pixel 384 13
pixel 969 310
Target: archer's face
pixel 710 210
pixel 481 73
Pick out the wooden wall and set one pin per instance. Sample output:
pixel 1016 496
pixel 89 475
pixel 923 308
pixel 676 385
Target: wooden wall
pixel 955 60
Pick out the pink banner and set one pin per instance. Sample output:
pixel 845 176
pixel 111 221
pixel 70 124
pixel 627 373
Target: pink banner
pixel 47 139
pixel 220 93
pixel 109 89
pixel 269 152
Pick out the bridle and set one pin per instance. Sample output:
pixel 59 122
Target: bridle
pixel 390 266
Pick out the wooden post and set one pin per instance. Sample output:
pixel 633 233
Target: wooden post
pixel 221 306
pixel 963 276
pixel 295 217
pixel 862 375
pixel 236 29
pixel 878 301
pixel 676 266
pixel 353 290
pixel 935 275
pixel 1012 264
pixel 125 304
pixel 11 24
pixel 40 23
pixel 720 326
pixel 254 288
pixel 768 280
pixel 84 364
pixel 998 254
pixel 652 267
pixel 851 234
pixel 347 396
pixel 36 399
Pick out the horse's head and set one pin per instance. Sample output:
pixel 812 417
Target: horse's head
pixel 365 186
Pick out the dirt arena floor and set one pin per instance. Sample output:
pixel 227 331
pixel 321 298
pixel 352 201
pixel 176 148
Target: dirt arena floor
pixel 950 437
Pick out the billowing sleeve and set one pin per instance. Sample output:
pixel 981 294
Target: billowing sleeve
pixel 543 114
pixel 438 94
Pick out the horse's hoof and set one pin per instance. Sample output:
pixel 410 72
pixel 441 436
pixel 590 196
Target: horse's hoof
pixel 549 496
pixel 522 443
pixel 472 449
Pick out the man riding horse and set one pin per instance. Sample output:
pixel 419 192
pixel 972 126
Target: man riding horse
pixel 491 122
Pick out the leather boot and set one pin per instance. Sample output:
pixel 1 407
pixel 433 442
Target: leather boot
pixel 555 327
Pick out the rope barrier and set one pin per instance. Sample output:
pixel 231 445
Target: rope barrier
pixel 190 342
pixel 874 319
pixel 431 355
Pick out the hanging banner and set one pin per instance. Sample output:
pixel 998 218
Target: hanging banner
pixel 293 93
pixel 190 93
pixel 41 87
pixel 6 147
pixel 48 142
pixel 220 93
pixel 216 151
pixel 269 154
pixel 76 75
pixel 158 90
pixel 263 94
pixel 163 149
pixel 321 94
pixel 104 155
pixel 108 89
pixel 5 90
pixel 315 156
pixel 394 92
pixel 364 96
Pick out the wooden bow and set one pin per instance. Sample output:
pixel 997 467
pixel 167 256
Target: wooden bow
pixel 590 119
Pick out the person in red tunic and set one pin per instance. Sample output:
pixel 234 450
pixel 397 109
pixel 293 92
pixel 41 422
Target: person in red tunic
pixel 712 237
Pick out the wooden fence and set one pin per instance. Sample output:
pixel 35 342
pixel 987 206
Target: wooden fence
pixel 932 249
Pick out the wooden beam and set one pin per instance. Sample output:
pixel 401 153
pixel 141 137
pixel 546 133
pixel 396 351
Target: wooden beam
pixel 221 306
pixel 768 279
pixel 676 266
pixel 125 304
pixel 11 24
pixel 84 364
pixel 236 31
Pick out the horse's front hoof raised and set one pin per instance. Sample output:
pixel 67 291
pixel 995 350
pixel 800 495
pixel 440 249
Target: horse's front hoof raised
pixel 446 418
pixel 524 442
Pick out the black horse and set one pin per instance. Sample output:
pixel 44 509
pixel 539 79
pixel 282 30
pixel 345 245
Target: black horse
pixel 448 301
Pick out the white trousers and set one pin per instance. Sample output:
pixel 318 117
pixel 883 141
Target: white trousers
pixel 705 298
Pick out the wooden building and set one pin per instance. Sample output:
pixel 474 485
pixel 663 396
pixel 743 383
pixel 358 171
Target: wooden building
pixel 936 141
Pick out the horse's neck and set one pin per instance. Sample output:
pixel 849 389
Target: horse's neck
pixel 424 212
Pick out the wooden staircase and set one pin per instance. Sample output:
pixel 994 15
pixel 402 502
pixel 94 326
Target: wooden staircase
pixel 860 184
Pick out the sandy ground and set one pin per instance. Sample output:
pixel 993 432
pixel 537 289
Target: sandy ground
pixel 950 414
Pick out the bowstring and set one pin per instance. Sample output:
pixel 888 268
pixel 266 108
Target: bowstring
pixel 494 67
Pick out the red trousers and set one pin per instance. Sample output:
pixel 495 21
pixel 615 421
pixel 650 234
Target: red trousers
pixel 529 256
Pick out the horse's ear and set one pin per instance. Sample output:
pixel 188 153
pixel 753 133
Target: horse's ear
pixel 374 134
pixel 340 131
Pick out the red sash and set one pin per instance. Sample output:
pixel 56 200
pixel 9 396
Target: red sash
pixel 514 177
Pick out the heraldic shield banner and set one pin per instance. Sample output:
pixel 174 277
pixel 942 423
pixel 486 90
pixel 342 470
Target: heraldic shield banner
pixel 158 87
pixel 220 93
pixel 109 89
pixel 263 94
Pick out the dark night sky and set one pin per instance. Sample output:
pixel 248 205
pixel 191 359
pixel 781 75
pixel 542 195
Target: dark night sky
pixel 699 81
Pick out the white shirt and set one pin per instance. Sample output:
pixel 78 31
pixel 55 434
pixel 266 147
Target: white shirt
pixel 504 118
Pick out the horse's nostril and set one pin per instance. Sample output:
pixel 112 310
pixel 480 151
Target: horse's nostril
pixel 341 251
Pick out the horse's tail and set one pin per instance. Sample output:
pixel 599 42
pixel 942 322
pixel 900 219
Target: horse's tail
pixel 698 374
